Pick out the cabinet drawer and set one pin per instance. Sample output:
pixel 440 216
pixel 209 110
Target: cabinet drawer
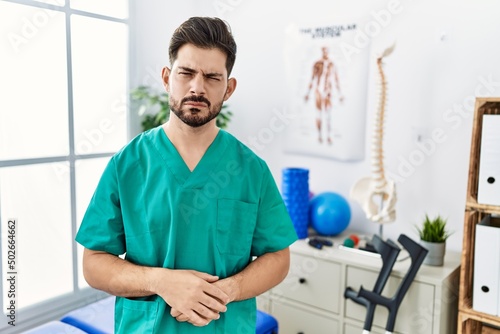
pixel 357 329
pixel 293 320
pixel 415 317
pixel 312 281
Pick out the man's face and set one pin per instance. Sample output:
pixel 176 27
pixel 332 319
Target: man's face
pixel 197 84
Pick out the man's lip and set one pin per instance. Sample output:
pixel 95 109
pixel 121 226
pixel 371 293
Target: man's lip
pixel 196 104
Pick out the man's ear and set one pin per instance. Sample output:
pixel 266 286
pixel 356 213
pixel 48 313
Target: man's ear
pixel 165 74
pixel 231 86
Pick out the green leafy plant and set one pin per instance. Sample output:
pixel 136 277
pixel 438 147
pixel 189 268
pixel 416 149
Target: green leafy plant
pixel 433 230
pixel 155 108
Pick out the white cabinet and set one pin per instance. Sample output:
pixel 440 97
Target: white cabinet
pixel 303 320
pixel 357 329
pixel 313 282
pixel 311 298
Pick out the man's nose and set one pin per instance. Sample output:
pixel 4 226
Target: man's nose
pixel 198 84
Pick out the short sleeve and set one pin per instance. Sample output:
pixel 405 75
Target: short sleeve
pixel 274 229
pixel 102 225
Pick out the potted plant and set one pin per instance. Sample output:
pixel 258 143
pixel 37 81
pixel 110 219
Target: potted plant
pixel 155 108
pixel 433 234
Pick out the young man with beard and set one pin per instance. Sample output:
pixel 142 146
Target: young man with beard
pixel 190 207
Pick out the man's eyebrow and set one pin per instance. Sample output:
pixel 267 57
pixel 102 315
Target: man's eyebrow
pixel 187 69
pixel 213 74
pixel 209 74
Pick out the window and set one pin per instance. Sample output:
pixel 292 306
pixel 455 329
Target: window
pixel 64 66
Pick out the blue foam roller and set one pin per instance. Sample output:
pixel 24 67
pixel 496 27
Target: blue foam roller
pixel 266 323
pixel 95 318
pixel 55 327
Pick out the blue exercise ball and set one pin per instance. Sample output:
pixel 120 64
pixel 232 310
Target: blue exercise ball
pixel 329 213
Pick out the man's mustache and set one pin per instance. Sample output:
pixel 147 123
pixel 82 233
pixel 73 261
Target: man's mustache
pixel 196 98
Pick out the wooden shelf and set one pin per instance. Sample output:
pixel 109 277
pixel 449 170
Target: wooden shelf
pixel 481 317
pixel 469 320
pixel 487 330
pixel 490 209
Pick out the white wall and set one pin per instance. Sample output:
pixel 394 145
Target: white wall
pixel 445 51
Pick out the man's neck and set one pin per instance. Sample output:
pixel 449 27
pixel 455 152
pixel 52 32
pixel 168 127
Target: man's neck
pixel 177 130
pixel 190 142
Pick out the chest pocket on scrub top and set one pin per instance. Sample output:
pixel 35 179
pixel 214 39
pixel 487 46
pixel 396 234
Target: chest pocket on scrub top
pixel 235 226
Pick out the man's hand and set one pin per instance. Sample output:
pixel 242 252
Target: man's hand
pixel 230 286
pixel 191 295
pixel 227 285
pixel 189 292
pixel 260 275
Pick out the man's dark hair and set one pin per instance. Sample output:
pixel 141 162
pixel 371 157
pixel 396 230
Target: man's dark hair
pixel 207 33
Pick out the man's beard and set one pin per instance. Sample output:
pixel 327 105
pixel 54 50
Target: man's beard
pixel 192 116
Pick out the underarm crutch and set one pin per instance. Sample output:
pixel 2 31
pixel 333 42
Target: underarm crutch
pixel 389 252
pixel 417 254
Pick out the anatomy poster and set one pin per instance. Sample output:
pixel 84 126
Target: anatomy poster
pixel 327 73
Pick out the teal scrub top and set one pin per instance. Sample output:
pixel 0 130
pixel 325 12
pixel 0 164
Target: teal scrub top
pixel 149 206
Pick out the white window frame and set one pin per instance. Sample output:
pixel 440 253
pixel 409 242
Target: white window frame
pixel 55 308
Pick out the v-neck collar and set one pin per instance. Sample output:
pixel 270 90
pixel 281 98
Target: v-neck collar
pixel 198 177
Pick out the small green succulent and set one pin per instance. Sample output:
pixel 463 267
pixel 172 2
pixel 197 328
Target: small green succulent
pixel 433 230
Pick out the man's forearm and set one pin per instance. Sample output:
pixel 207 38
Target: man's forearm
pixel 188 292
pixel 116 276
pixel 259 276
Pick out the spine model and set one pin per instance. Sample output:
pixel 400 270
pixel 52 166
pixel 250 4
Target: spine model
pixel 376 194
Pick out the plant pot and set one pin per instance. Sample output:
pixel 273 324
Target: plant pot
pixel 435 257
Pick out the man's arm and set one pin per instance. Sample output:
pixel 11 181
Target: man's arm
pixel 262 274
pixel 188 291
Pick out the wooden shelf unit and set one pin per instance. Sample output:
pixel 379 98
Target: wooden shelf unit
pixel 469 320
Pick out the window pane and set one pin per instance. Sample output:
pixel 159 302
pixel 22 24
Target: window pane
pixel 39 197
pixel 114 8
pixel 33 82
pixel 88 173
pixel 99 84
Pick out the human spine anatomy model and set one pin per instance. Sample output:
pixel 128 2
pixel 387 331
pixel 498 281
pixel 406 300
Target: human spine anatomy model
pixel 376 194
